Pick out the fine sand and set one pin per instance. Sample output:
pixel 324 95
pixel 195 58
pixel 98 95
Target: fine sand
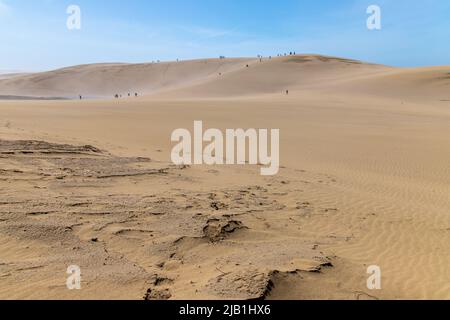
pixel 365 180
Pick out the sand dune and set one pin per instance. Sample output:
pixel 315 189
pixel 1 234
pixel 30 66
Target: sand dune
pixel 231 77
pixel 364 181
pixel 199 78
pixel 106 80
pixel 275 76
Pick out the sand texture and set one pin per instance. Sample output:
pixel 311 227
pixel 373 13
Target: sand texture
pixel 365 180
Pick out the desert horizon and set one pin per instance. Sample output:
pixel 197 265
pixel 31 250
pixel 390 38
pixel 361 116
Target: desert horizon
pixel 352 190
pixel 264 177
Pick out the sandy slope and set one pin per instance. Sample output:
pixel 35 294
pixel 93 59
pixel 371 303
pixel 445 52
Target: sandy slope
pixel 198 78
pixel 106 80
pixel 231 77
pixel 365 181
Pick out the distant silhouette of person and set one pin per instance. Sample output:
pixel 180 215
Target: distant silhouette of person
pixel 136 94
pixel 81 97
pixel 287 92
pixel 116 96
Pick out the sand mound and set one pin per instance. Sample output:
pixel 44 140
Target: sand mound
pixel 209 77
pixel 106 80
pixel 229 78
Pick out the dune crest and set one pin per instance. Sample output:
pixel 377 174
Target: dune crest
pixel 209 78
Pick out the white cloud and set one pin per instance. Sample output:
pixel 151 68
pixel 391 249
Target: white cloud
pixel 4 8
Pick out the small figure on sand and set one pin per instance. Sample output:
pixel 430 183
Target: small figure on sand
pixel 287 92
pixel 136 94
pixel 81 97
pixel 116 96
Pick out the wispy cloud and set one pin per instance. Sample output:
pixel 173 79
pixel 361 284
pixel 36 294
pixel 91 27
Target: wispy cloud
pixel 4 8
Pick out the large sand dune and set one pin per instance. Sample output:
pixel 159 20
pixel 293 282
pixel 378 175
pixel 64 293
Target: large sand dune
pixel 364 181
pixel 230 77
pixel 106 80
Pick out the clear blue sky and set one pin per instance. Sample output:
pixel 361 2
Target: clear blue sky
pixel 34 36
